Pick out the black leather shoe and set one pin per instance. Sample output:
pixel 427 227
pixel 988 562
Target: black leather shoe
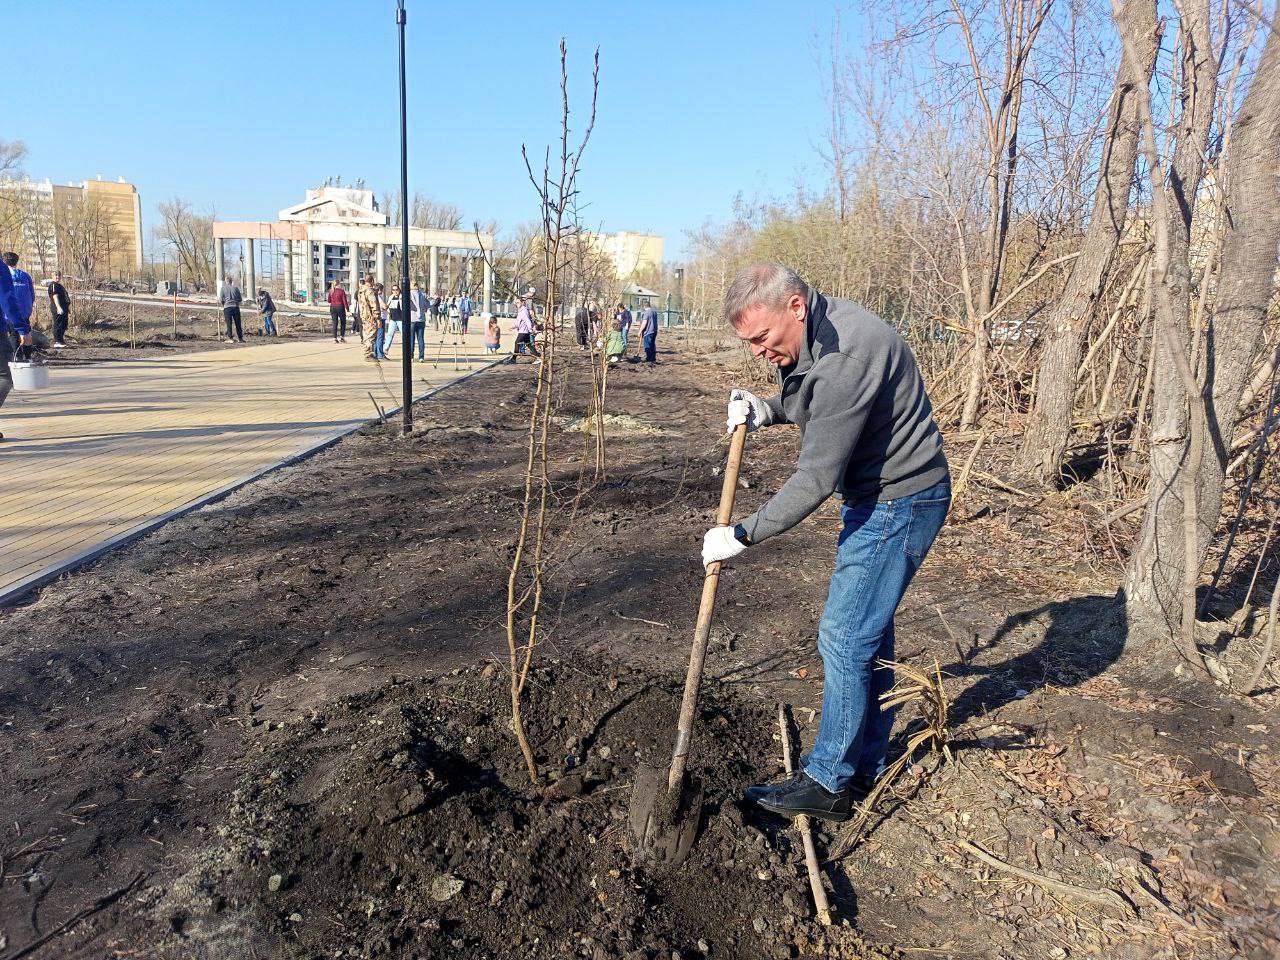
pixel 758 792
pixel 799 793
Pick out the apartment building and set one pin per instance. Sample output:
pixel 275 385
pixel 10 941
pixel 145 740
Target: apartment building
pixel 52 226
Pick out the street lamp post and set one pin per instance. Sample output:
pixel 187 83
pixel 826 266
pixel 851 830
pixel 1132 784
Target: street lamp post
pixel 406 323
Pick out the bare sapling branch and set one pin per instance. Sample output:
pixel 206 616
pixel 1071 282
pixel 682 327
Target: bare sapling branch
pixel 540 508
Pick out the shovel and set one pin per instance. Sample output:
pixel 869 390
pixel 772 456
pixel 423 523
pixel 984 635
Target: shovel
pixel 665 808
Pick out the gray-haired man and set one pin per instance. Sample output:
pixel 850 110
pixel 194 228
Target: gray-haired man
pixel 851 384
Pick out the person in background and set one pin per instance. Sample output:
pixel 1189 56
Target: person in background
pixel 492 336
pixel 465 307
pixel 597 323
pixel 418 307
pixel 384 318
pixel 422 303
pixel 442 312
pixel 23 290
pixel 649 333
pixel 59 310
pixel 395 318
pixel 615 346
pixel 12 326
pixel 582 326
pixel 230 297
pixel 624 317
pixel 525 328
pixel 267 306
pixel 339 304
pixel 371 318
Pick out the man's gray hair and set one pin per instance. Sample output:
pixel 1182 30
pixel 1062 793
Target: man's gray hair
pixel 762 285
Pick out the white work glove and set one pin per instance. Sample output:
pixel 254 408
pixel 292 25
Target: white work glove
pixel 746 407
pixel 719 543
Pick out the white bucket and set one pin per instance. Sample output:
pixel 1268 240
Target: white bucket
pixel 29 376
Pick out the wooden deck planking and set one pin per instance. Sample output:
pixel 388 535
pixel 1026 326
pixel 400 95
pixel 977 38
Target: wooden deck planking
pixel 110 448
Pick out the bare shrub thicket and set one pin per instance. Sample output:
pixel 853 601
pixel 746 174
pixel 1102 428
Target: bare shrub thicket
pixel 12 212
pixel 1071 214
pixel 189 235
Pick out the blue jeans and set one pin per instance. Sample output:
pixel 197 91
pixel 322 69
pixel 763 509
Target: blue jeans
pixel 269 325
pixel 626 337
pixel 419 329
pixel 650 347
pixel 879 550
pixel 379 352
pixel 393 327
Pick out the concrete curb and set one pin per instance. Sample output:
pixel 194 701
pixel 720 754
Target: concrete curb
pixel 18 590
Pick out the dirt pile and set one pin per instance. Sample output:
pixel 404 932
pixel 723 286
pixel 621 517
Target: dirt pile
pixel 614 423
pixel 400 822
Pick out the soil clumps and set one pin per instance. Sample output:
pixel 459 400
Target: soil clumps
pixel 400 822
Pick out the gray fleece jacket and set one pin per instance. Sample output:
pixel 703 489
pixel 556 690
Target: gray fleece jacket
pixel 866 424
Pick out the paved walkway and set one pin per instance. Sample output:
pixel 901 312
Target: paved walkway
pixel 112 450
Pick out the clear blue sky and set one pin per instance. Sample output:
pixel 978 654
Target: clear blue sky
pixel 239 106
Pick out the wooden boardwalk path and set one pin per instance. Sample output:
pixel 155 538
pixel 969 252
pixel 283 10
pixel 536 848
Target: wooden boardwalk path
pixel 112 450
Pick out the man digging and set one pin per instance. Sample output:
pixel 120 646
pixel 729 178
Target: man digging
pixel 851 384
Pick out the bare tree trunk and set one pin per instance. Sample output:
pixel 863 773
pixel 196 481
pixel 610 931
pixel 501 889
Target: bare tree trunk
pixel 1022 21
pixel 1260 379
pixel 1154 581
pixel 1045 441
pixel 1246 281
pixel 977 372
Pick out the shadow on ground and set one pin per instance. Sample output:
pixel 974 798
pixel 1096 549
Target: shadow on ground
pixel 1083 637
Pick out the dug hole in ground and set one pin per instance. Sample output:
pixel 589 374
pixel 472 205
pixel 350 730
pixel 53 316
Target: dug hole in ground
pixel 279 726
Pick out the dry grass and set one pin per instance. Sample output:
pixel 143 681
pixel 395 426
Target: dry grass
pixel 913 686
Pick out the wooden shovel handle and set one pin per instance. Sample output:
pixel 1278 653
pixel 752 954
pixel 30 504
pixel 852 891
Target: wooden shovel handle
pixel 702 632
pixel 730 487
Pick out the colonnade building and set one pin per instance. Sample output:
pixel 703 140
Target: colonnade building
pixel 339 234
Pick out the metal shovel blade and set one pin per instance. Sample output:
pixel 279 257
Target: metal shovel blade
pixel 664 823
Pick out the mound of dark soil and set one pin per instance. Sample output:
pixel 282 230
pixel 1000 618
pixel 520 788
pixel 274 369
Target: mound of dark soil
pixel 401 822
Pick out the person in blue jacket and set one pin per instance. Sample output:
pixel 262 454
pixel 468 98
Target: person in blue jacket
pixel 13 322
pixel 23 288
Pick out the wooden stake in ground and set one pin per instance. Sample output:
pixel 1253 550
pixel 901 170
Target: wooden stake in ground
pixel 806 834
